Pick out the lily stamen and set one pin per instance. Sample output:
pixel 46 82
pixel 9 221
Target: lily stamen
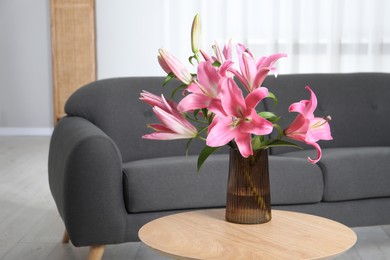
pixel 235 121
pixel 202 88
pixel 319 124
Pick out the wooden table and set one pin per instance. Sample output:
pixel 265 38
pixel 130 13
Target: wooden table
pixel 206 235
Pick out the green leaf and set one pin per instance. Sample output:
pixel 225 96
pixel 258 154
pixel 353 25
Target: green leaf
pixel 281 143
pixel 216 64
pixel 188 146
pixel 204 154
pixel 169 77
pixel 196 112
pixel 273 97
pixel 279 129
pixel 257 142
pixel 206 115
pixel 269 116
pixel 191 58
pixel 196 57
pixel 176 89
pixel 201 129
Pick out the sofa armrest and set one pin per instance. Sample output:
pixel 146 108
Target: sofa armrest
pixel 85 178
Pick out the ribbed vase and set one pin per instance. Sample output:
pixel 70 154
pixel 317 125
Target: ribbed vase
pixel 248 190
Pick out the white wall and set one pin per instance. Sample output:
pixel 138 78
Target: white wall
pixel 25 66
pixel 319 36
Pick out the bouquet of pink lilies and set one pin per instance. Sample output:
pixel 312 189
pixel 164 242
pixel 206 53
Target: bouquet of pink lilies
pixel 212 98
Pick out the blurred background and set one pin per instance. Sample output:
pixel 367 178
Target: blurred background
pixel 319 36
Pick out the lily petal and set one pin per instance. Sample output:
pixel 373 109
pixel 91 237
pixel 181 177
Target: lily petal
pixel 206 57
pixel 319 130
pixel 299 107
pixel 193 101
pixel 319 153
pixel 244 144
pixel 257 125
pixel 253 98
pixel 260 77
pixel 164 136
pixel 249 70
pixel 270 60
pixel 208 78
pixel 227 50
pixel 176 124
pixel 224 70
pixel 298 128
pixel 232 99
pixel 312 105
pixel 194 88
pixel 158 101
pixel 221 133
pixel 305 107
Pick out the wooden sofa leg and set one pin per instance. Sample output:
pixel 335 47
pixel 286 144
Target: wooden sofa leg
pixel 65 238
pixel 96 252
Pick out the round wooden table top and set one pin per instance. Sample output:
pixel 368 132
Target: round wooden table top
pixel 205 234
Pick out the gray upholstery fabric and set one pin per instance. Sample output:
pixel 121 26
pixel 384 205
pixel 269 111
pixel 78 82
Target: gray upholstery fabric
pixel 353 173
pixel 85 177
pixel 169 183
pixel 358 104
pixel 294 181
pixel 353 213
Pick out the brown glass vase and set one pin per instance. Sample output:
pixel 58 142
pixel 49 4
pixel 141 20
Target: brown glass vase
pixel 248 190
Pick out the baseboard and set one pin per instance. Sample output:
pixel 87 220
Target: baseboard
pixel 8 131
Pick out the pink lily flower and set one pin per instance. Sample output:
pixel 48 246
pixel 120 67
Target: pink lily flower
pixel 307 128
pixel 169 63
pixel 238 119
pixel 252 73
pixel 204 91
pixel 174 125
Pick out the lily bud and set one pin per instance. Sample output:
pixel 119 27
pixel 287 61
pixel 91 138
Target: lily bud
pixel 163 64
pixel 196 34
pixel 170 63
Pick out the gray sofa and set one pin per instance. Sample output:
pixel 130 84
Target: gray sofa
pixel 107 181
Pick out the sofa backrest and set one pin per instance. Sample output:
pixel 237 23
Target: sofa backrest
pixel 113 105
pixel 359 104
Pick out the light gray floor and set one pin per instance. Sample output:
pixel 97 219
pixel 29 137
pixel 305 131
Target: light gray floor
pixel 30 227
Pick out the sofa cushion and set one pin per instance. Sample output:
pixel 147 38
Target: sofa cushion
pixel 353 173
pixel 294 181
pixel 173 183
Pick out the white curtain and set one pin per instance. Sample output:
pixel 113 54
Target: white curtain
pixel 318 35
